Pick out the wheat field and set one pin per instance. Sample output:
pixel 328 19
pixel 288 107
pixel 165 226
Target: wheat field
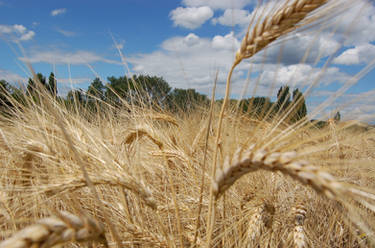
pixel 212 177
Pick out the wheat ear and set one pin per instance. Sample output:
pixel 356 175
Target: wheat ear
pixel 286 162
pixel 140 132
pixel 280 23
pixel 261 218
pixel 298 231
pixel 51 231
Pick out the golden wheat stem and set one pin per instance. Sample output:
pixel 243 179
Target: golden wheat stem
pixel 214 160
pixel 209 123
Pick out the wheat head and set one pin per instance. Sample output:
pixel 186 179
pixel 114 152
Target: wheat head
pixel 51 231
pixel 280 23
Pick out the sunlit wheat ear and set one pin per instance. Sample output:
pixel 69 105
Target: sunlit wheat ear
pixel 299 237
pixel 260 159
pixel 28 162
pixel 171 154
pixel 260 219
pixel 273 26
pixel 139 133
pixel 51 231
pixel 163 117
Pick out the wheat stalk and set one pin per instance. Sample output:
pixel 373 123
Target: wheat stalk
pixel 51 231
pixel 282 22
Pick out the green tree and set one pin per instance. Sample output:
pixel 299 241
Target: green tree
pixel 283 99
pixel 186 100
pixel 256 106
pixel 117 88
pixel 151 89
pixel 337 116
pixel 96 89
pixel 5 93
pixel 139 89
pixel 299 105
pixel 32 86
pixel 52 84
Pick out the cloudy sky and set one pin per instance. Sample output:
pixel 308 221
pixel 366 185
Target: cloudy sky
pixel 187 42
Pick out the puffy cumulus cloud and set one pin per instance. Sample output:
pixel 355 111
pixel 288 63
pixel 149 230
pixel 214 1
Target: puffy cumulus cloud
pixel 218 4
pixel 301 75
pixel 16 32
pixel 361 54
pixel 356 25
pixel 60 57
pixel 228 42
pixel 191 18
pixel 188 43
pixel 190 61
pixel 57 12
pixel 299 48
pixel 232 17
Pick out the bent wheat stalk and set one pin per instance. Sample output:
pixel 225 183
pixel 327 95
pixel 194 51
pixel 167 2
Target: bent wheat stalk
pixel 126 182
pixel 51 231
pixel 279 23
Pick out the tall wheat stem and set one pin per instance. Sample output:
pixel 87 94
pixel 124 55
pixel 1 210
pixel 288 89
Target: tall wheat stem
pixel 210 217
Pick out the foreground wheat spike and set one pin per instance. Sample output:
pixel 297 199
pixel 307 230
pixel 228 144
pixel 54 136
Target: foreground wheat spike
pixel 51 231
pixel 280 23
pixel 261 218
pixel 298 231
pixel 286 162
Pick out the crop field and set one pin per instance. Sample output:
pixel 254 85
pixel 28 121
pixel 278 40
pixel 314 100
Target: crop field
pixel 128 173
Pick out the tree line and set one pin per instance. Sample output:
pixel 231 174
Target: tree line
pixel 152 91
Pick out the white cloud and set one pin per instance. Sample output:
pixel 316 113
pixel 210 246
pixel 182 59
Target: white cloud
pixel 11 77
pixel 27 36
pixel 228 42
pixel 16 32
pixel 233 17
pixel 192 61
pixel 73 80
pixel 57 12
pixel 189 61
pixel 191 18
pixel 218 4
pixel 361 54
pixel 19 28
pixel 59 57
pixel 66 33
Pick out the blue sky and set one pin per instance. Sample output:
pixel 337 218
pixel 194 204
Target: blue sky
pixel 186 42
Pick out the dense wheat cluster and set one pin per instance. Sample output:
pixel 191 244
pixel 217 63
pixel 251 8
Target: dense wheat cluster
pixel 137 176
